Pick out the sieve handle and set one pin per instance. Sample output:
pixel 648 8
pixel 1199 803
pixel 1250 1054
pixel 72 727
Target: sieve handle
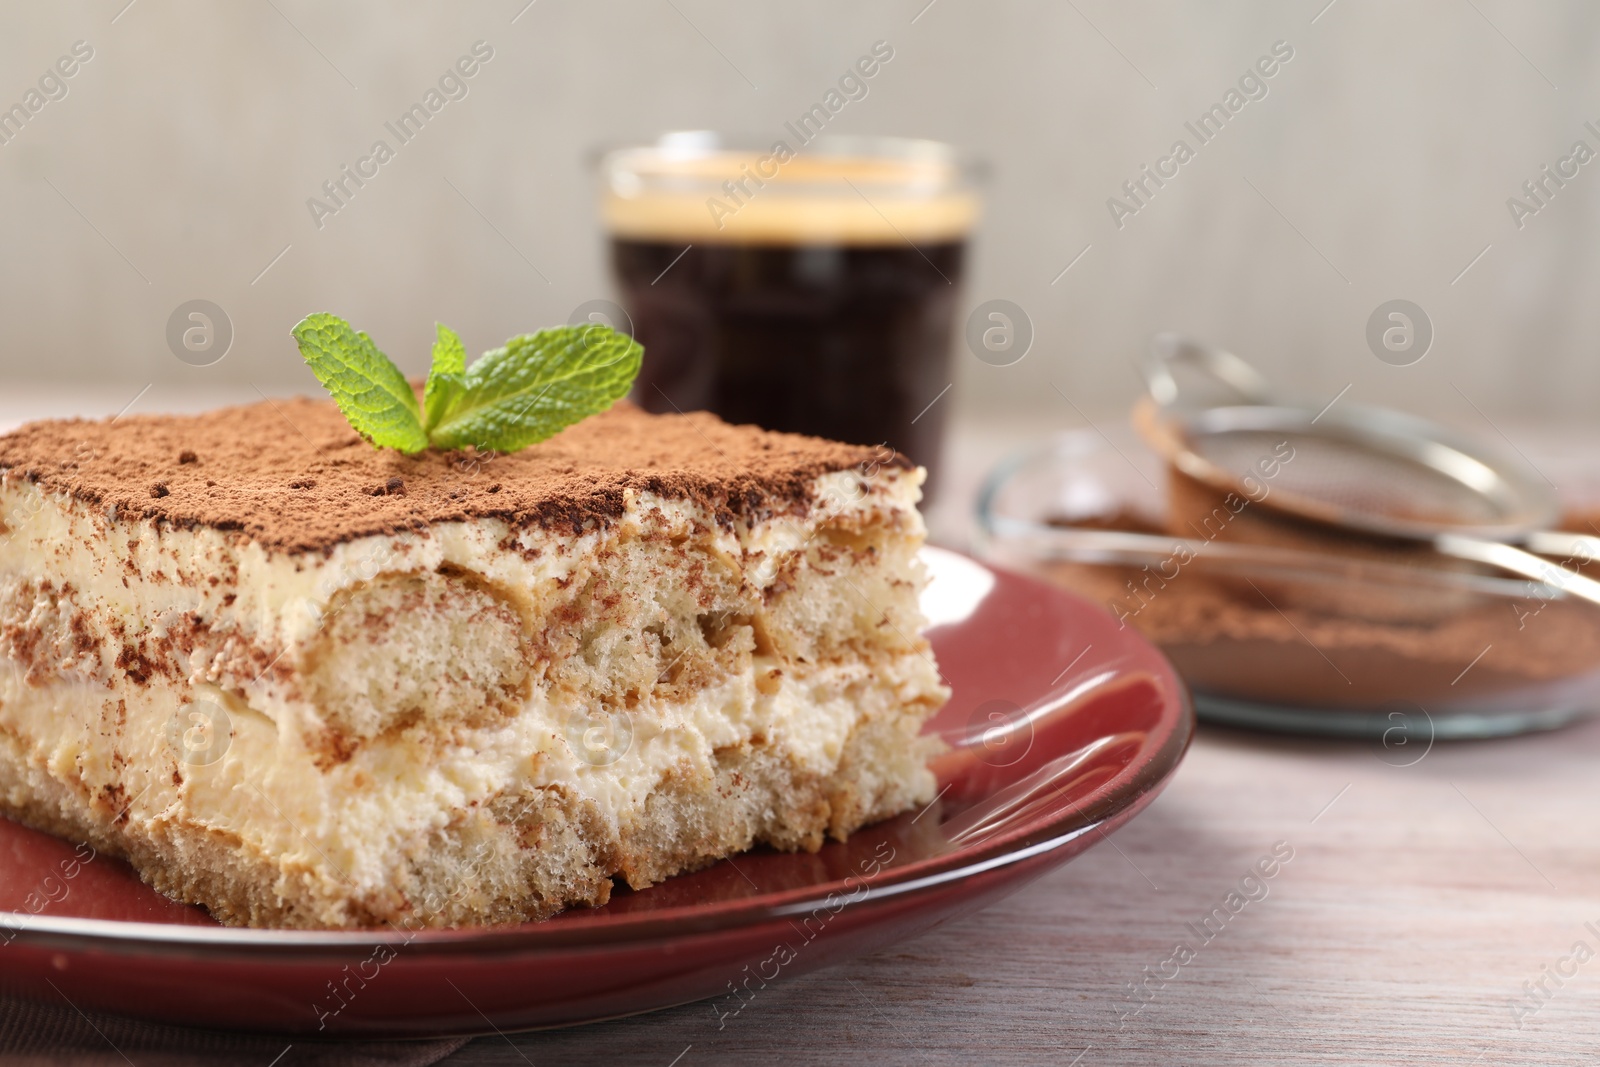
pixel 1167 350
pixel 1581 548
pixel 1519 561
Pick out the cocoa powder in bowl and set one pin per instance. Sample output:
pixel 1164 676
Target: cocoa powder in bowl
pixel 1347 638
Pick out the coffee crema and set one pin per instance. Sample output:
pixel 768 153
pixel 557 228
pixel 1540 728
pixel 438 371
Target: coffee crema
pixel 752 197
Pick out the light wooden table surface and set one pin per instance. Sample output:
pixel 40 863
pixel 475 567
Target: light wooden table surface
pixel 1419 901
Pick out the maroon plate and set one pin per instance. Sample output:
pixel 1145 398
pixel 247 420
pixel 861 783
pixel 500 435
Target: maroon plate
pixel 1062 728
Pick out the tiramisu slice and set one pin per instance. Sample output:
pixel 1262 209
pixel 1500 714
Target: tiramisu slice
pixel 307 682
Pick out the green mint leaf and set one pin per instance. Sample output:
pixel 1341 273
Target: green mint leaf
pixel 368 388
pixel 445 377
pixel 537 385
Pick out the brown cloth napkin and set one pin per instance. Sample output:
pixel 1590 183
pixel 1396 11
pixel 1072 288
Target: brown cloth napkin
pixel 35 1035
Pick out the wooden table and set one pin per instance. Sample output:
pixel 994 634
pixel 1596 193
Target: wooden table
pixel 1419 901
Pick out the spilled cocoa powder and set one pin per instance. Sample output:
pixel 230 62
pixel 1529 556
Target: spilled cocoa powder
pixel 1351 638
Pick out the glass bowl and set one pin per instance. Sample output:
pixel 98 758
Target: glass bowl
pixel 1404 650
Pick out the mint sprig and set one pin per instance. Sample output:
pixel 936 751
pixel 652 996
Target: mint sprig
pixel 536 385
pixel 444 377
pixel 368 388
pixel 517 395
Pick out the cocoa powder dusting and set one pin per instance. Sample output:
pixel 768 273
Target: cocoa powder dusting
pixel 293 476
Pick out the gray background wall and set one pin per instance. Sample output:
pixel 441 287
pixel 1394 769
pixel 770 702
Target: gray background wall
pixel 1377 167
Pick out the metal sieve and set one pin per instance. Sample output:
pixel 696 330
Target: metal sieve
pixel 1365 470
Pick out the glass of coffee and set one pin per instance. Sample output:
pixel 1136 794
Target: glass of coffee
pixel 801 285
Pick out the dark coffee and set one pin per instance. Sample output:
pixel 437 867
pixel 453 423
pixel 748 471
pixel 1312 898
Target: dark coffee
pixel 844 341
pixel 809 287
